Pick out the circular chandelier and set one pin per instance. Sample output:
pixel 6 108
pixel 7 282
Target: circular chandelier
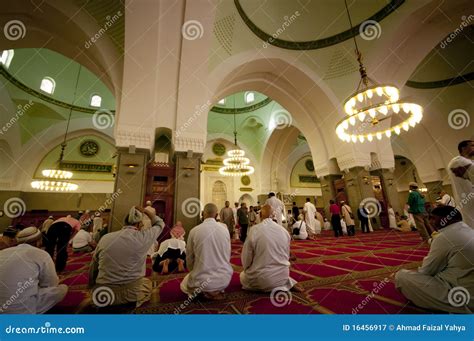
pixel 374 110
pixel 236 164
pixel 57 177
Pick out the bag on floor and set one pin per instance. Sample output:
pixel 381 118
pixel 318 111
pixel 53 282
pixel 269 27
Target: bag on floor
pixel 344 226
pixel 296 230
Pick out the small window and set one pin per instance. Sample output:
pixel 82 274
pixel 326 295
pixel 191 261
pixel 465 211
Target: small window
pixel 6 57
pixel 249 97
pixel 221 102
pixel 47 85
pixel 96 101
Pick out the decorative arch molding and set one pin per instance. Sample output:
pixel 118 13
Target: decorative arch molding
pixel 320 43
pixel 441 83
pixel 242 110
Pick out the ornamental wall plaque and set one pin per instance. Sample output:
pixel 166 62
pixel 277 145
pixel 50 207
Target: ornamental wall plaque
pixel 218 149
pixel 245 180
pixel 89 148
pixel 309 165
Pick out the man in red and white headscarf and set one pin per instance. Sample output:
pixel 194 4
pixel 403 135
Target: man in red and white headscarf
pixel 172 252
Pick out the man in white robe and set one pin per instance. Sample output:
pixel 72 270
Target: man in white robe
pixel 29 283
pixel 277 208
pixel 445 281
pixel 309 211
pixel 265 256
pixel 461 172
pixel 208 252
pixel 119 261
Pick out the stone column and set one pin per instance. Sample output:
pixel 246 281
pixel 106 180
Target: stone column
pixel 327 190
pixel 187 205
pixel 390 189
pixel 358 187
pixel 130 181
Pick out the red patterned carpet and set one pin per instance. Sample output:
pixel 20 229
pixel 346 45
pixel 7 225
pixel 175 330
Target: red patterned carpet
pixel 343 276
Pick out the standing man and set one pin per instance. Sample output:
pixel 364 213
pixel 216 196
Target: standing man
pixel 447 273
pixel 227 217
pixel 335 212
pixel 265 257
pixel 243 219
pixel 277 208
pixel 416 203
pixel 252 216
pixel 461 172
pixel 348 218
pixel 309 211
pixel 208 257
pixel 295 211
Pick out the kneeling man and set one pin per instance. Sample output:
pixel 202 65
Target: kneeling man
pixel 208 257
pixel 445 281
pixel 265 256
pixel 29 283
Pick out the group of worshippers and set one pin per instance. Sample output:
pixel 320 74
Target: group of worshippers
pixel 238 219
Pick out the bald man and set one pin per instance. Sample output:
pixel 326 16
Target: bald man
pixel 208 257
pixel 265 256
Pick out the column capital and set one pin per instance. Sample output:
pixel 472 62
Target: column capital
pixel 139 137
pixel 185 143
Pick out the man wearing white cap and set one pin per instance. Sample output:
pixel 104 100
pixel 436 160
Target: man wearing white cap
pixel 461 172
pixel 30 284
pixel 119 261
pixel 277 208
pixel 416 203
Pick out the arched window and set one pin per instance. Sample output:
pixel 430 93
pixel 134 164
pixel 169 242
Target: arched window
pixel 47 85
pixel 6 57
pixel 96 101
pixel 221 101
pixel 249 97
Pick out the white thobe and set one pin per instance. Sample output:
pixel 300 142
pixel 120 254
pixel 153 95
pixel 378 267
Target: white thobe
pixel 121 255
pixel 446 200
pixel 97 224
pixel 29 283
pixel 392 219
pixel 301 225
pixel 277 209
pixel 464 193
pixel 309 212
pixel 265 258
pixel 449 264
pixel 208 252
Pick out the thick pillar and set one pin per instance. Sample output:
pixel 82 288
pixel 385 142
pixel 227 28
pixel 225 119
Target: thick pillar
pixel 187 205
pixel 130 181
pixel 390 189
pixel 327 190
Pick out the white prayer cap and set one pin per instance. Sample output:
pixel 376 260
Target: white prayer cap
pixel 459 161
pixel 28 235
pixel 134 216
pixel 413 184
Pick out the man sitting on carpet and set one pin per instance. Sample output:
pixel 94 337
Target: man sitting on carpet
pixel 30 284
pixel 172 252
pixel 208 257
pixel 265 256
pixel 119 261
pixel 447 273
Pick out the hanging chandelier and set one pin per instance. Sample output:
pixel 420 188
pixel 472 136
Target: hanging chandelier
pixel 236 164
pixel 57 177
pixel 375 110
